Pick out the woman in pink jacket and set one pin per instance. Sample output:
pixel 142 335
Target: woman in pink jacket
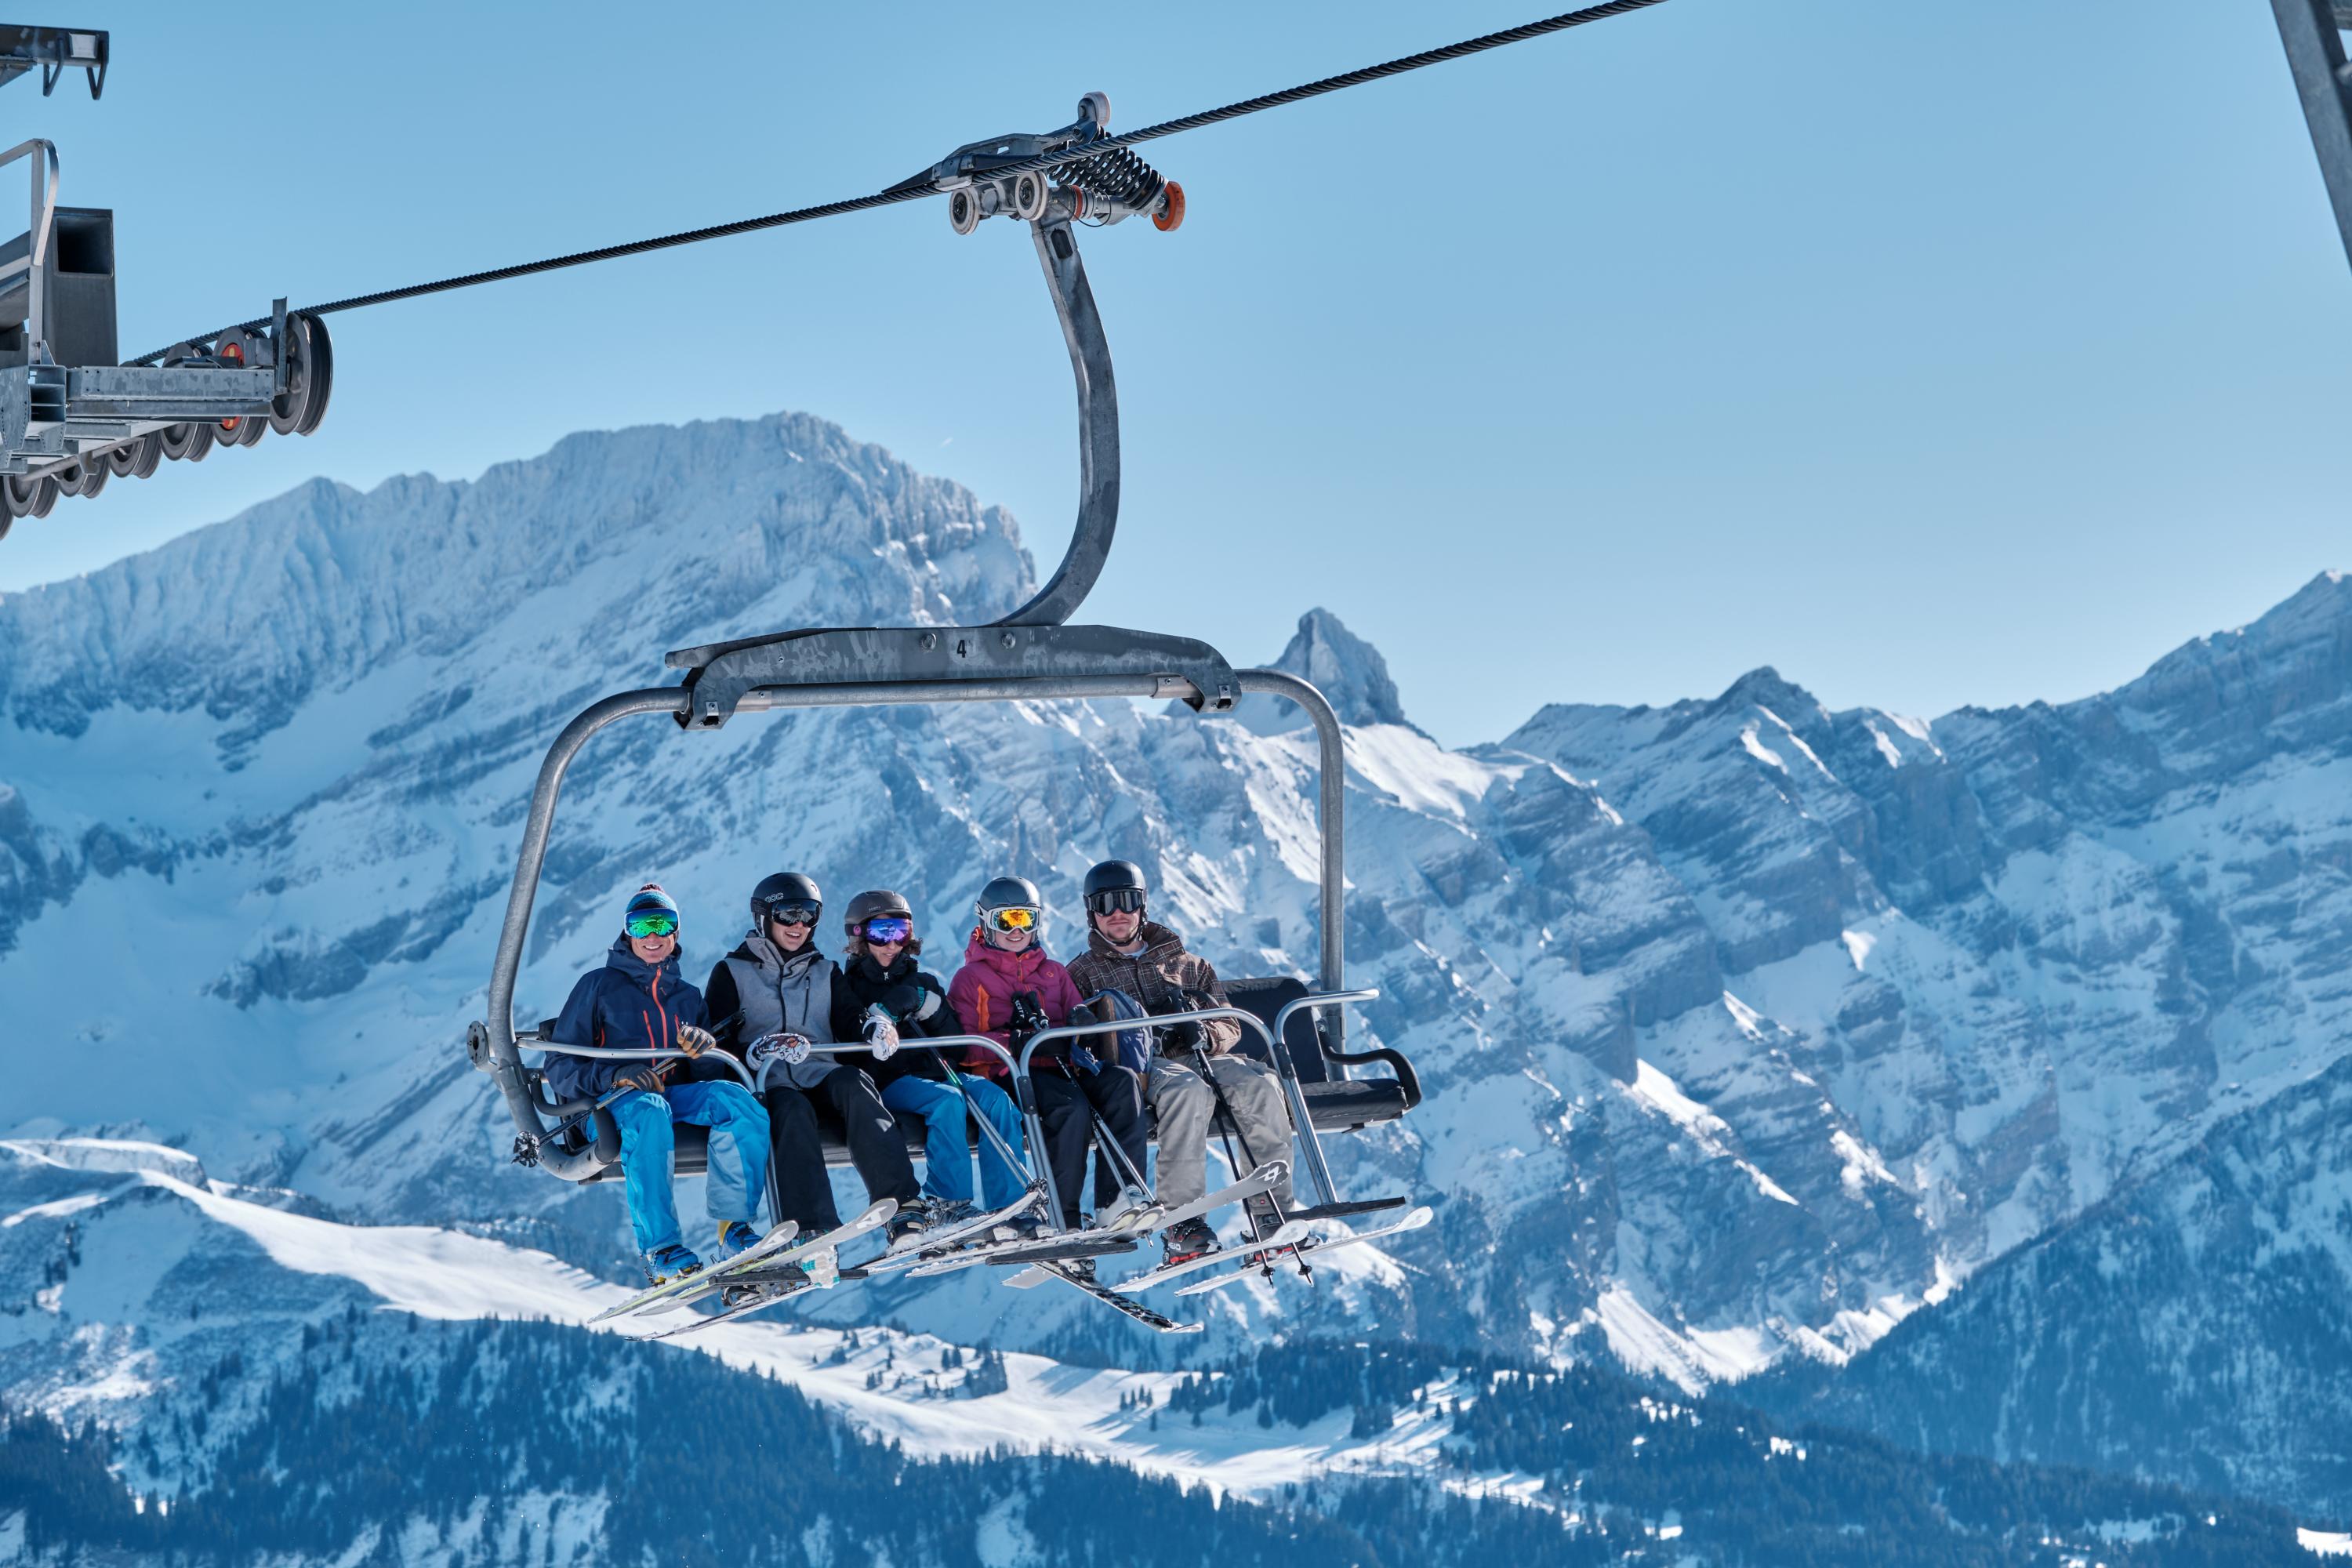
pixel 1008 989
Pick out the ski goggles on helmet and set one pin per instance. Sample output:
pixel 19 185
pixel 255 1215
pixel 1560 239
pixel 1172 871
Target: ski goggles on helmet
pixel 1111 898
pixel 1013 918
pixel 884 930
pixel 653 922
pixel 794 914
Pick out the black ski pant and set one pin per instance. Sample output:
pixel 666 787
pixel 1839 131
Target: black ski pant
pixel 1116 1096
pixel 847 1097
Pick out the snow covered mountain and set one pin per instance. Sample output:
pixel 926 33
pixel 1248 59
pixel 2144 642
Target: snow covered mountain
pixel 2193 1327
pixel 1746 1026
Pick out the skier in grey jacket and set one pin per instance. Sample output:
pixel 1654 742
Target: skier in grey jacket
pixel 777 984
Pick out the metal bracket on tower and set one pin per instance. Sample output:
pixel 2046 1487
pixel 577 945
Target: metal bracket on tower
pixel 56 50
pixel 2313 32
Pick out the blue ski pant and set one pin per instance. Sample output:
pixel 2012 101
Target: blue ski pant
pixel 738 1155
pixel 947 1154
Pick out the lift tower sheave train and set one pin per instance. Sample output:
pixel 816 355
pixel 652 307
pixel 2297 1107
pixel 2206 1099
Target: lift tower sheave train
pixel 71 414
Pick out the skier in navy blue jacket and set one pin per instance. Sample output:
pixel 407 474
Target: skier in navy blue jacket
pixel 637 1000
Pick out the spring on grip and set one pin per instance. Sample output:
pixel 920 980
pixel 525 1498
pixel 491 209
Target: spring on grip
pixel 1117 175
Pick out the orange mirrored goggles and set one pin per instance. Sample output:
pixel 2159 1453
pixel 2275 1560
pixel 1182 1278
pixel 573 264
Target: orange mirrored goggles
pixel 1013 918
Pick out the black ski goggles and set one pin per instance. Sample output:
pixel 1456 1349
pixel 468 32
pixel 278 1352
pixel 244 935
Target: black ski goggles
pixel 794 914
pixel 1120 898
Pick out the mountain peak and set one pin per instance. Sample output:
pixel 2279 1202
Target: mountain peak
pixel 1346 669
pixel 1764 686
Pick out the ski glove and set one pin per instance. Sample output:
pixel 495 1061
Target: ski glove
pixel 881 1032
pixel 1029 1014
pixel 647 1078
pixel 790 1049
pixel 693 1040
pixel 1082 1046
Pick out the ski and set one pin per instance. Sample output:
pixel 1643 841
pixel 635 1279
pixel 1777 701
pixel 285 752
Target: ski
pixel 786 1265
pixel 1028 1250
pixel 677 1285
pixel 1306 1250
pixel 1287 1236
pixel 1348 1210
pixel 929 1247
pixel 1117 1302
pixel 1264 1179
pixel 1063 1250
pixel 762 1298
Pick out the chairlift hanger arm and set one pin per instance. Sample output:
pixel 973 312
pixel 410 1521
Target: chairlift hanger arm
pixel 2313 33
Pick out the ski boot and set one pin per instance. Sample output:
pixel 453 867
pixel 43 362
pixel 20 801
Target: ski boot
pixel 1081 1269
pixel 664 1264
pixel 1187 1241
pixel 1027 1227
pixel 735 1235
pixel 915 1217
pixel 949 1212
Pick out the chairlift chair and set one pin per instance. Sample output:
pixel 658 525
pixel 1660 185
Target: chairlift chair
pixel 1030 655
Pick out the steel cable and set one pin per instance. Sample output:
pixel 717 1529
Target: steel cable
pixel 919 188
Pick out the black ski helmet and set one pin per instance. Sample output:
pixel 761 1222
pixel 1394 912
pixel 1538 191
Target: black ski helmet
pixel 784 888
pixel 866 906
pixel 1113 875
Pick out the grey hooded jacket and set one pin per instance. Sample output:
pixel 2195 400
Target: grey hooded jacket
pixel 775 991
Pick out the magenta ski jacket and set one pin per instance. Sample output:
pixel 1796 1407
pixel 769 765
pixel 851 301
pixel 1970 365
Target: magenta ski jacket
pixel 983 991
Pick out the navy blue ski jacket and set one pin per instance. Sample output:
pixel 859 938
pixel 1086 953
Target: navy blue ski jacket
pixel 628 1004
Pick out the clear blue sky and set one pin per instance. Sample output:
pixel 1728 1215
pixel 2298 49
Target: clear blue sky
pixel 1934 354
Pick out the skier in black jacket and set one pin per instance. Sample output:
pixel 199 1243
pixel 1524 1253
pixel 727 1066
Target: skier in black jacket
pixel 879 972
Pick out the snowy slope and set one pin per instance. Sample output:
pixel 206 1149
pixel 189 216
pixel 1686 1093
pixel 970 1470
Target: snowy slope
pixel 128 1273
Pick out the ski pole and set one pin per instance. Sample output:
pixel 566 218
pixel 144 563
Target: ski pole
pixel 1230 1127
pixel 988 1129
pixel 1115 1153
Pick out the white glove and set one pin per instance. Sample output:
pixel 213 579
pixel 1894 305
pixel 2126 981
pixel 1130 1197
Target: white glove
pixel 794 1050
pixel 881 1033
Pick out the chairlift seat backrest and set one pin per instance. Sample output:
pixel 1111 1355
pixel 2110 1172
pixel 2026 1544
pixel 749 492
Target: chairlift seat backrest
pixel 1265 999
